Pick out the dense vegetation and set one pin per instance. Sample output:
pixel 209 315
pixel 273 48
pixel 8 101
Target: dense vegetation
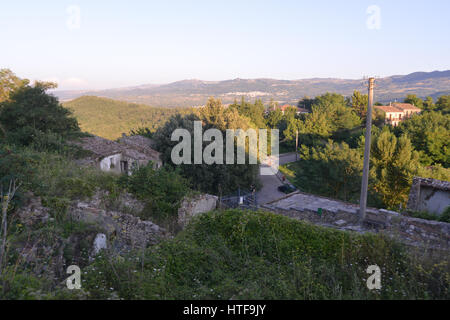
pixel 256 255
pixel 332 139
pixel 231 254
pixel 211 178
pixel 110 118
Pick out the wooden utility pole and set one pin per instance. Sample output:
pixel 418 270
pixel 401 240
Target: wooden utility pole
pixel 365 178
pixel 296 145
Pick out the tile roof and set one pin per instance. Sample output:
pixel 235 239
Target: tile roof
pixel 101 147
pixel 389 109
pixel 406 106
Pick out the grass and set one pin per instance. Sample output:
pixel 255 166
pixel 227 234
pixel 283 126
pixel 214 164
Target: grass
pixel 258 255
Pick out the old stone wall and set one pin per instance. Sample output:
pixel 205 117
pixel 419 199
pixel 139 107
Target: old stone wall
pixel 192 206
pixel 123 230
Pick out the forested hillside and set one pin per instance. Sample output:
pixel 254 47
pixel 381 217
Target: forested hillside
pixel 110 118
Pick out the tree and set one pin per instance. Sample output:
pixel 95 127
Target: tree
pixel 334 170
pixel 335 107
pixel 443 104
pixel 214 178
pixel 394 163
pixel 414 100
pixel 314 129
pixel 274 118
pixel 428 104
pixel 253 111
pixel 30 114
pixel 359 103
pixel 430 135
pixel 9 82
pixel 306 103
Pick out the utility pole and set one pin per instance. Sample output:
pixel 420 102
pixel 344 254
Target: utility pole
pixel 365 178
pixel 296 145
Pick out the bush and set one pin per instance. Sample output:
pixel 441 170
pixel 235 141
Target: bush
pixel 445 216
pixel 162 190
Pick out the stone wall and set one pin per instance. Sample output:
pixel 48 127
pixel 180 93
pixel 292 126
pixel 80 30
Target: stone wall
pixel 192 206
pixel 344 216
pixel 123 230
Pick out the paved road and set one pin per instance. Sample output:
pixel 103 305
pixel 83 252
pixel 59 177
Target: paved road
pixel 269 191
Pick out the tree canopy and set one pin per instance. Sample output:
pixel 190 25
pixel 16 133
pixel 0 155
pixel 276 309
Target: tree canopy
pixel 30 115
pixel 211 178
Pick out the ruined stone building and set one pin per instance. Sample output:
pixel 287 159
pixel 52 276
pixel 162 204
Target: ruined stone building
pixel 429 195
pixel 119 157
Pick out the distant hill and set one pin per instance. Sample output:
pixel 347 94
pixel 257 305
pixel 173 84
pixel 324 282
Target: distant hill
pixel 110 118
pixel 189 93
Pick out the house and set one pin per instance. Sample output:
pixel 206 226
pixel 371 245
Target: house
pixel 429 195
pixel 397 112
pixel 119 157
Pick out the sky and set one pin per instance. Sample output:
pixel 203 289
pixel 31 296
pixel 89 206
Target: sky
pixel 100 44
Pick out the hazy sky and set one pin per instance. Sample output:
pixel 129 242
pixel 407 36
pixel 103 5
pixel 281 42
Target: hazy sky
pixel 124 43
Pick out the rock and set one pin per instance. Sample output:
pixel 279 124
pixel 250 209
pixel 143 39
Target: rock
pixel 126 230
pixel 33 212
pixel 340 222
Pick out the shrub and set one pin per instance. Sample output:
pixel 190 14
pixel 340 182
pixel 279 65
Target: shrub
pixel 445 216
pixel 162 190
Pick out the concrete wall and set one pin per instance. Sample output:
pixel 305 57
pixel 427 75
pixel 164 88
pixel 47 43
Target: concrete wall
pixel 111 163
pixel 429 195
pixel 433 200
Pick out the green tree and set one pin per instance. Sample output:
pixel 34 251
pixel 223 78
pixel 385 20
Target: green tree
pixel 430 135
pixel 314 129
pixel 359 103
pixel 394 163
pixel 443 104
pixel 31 114
pixel 334 171
pixel 214 178
pixel 9 82
pixel 428 104
pixel 253 111
pixel 337 111
pixel 306 103
pixel 414 100
pixel 274 118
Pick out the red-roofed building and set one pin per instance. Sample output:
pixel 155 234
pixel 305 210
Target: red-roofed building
pixel 397 112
